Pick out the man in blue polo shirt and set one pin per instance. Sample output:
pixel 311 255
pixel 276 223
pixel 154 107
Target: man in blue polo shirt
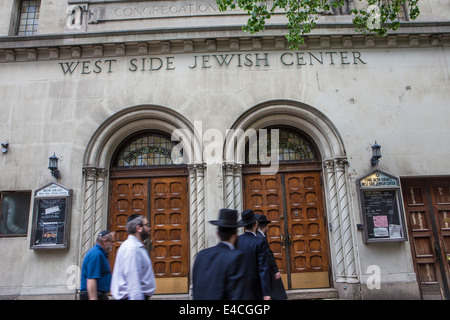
pixel 95 271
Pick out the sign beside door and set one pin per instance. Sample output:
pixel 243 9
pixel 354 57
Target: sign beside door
pixel 382 213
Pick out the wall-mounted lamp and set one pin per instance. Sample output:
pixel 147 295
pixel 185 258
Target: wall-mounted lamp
pixel 376 154
pixel 53 166
pixel 5 146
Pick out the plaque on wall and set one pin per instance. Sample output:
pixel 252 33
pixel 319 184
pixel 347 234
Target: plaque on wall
pixel 381 207
pixel 51 217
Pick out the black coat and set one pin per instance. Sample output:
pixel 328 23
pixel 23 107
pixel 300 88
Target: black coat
pixel 278 292
pixel 219 274
pixel 258 270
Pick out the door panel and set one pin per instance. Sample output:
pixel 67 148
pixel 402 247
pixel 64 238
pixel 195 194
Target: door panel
pixel 169 223
pixel 263 195
pixel 297 234
pixel 164 201
pixel 306 222
pixel 440 196
pixel 427 206
pixel 129 196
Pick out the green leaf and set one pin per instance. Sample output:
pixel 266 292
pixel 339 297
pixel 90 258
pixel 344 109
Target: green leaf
pixel 302 15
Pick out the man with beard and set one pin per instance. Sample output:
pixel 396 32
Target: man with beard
pixel 95 271
pixel 133 277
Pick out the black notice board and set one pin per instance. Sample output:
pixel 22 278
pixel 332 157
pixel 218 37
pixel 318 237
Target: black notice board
pixel 381 208
pixel 381 211
pixel 51 222
pixel 51 219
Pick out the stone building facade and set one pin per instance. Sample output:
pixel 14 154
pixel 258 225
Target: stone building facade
pixel 167 107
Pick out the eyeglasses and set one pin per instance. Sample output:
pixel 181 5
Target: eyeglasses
pixel 146 224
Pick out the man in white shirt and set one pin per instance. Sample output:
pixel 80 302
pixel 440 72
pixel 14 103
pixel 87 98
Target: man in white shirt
pixel 133 277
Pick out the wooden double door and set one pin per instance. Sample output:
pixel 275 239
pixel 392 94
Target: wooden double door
pixel 427 206
pixel 163 200
pixel 298 234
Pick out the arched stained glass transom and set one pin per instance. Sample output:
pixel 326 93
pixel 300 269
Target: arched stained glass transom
pixel 292 147
pixel 149 150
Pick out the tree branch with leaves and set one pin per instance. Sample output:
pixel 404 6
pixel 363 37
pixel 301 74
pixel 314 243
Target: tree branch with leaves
pixel 374 17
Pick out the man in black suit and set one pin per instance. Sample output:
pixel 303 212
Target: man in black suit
pixel 219 271
pixel 278 292
pixel 255 250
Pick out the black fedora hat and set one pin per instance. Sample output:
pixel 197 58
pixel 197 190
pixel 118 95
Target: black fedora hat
pixel 262 219
pixel 247 217
pixel 227 218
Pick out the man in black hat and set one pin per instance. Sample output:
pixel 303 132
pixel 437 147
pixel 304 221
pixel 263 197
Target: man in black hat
pixel 278 292
pixel 219 271
pixel 255 250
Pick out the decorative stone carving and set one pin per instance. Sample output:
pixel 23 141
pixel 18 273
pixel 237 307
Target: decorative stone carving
pixel 232 185
pixel 340 217
pixel 94 212
pixel 197 207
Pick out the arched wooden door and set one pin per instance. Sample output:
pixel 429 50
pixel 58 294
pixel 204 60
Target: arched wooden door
pixel 427 207
pixel 292 199
pixel 158 191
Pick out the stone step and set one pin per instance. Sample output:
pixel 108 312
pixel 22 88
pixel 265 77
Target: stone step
pixel 301 294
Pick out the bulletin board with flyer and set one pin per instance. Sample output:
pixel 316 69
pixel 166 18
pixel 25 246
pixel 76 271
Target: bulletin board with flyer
pixel 381 208
pixel 51 217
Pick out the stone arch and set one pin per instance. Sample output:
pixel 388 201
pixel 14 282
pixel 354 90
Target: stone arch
pixel 291 113
pixel 99 154
pixel 119 126
pixel 325 135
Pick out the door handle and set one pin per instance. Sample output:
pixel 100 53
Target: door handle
pixel 283 242
pixel 149 245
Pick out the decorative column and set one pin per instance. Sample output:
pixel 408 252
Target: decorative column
pixel 229 185
pixel 201 206
pixel 232 187
pixel 237 178
pixel 193 211
pixel 197 208
pixel 345 219
pixel 335 222
pixel 342 234
pixel 100 205
pixel 94 214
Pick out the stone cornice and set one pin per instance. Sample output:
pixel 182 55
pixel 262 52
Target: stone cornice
pixel 213 39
